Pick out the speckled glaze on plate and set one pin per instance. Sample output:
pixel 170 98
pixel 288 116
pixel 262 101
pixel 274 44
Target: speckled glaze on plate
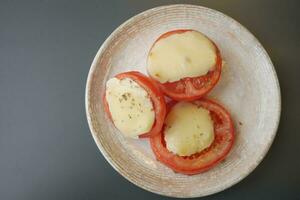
pixel 248 88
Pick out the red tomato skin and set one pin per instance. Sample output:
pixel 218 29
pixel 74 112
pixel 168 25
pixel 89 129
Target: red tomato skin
pixel 156 97
pixel 171 160
pixel 194 93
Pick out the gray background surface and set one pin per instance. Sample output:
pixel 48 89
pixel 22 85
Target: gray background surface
pixel 46 48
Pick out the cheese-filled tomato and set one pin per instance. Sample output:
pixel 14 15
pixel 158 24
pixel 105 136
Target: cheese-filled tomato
pixel 196 136
pixel 186 64
pixel 135 104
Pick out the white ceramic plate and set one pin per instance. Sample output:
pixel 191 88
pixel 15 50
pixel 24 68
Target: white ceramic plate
pixel 248 88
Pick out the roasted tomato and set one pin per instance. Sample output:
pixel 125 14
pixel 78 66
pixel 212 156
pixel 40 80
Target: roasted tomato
pixel 188 88
pixel 207 158
pixel 153 92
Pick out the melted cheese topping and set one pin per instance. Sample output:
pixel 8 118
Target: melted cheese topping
pixel 188 54
pixel 189 129
pixel 130 106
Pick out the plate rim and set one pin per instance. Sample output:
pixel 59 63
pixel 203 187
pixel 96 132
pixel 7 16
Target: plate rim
pixel 99 143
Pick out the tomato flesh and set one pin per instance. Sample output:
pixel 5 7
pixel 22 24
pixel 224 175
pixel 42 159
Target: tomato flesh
pixel 191 88
pixel 156 97
pixel 206 159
